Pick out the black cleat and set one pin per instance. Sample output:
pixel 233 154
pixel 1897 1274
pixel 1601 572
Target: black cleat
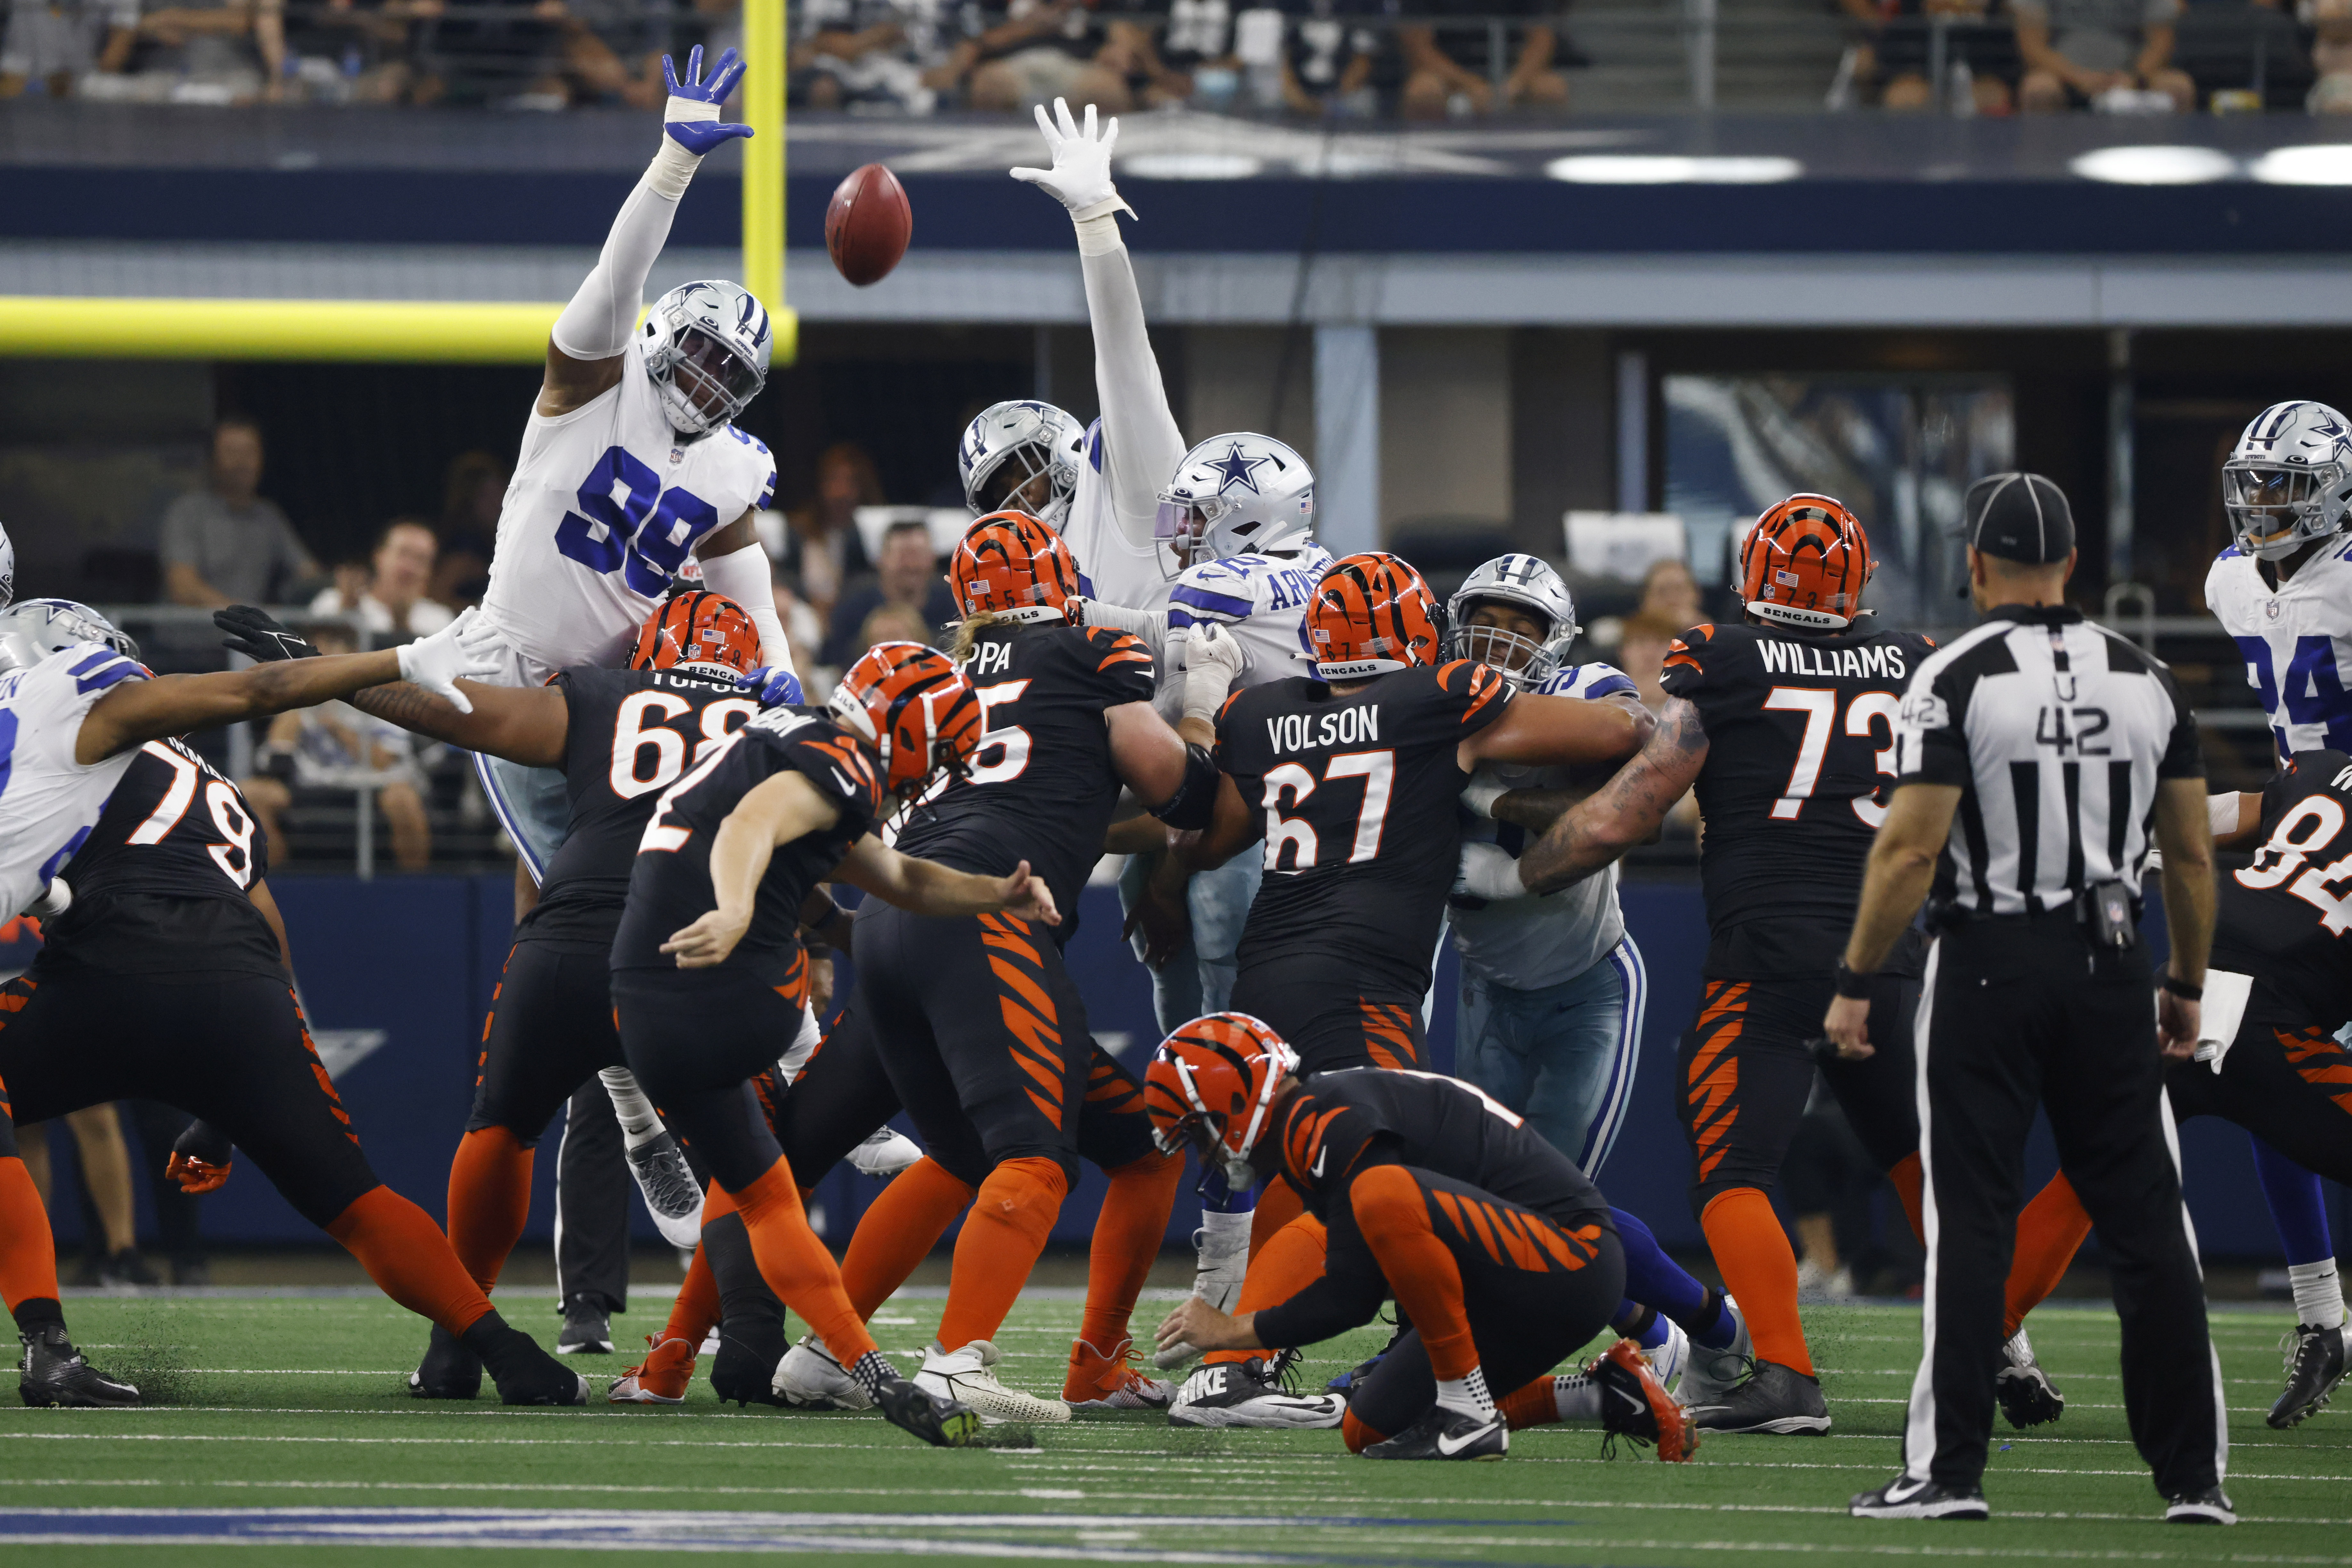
pixel 2315 1365
pixel 942 1423
pixel 449 1369
pixel 55 1374
pixel 525 1374
pixel 2027 1395
pixel 1903 1498
pixel 1445 1433
pixel 2212 1506
pixel 744 1371
pixel 1772 1398
pixel 587 1330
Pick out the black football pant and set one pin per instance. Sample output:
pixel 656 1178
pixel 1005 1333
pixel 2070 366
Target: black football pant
pixel 1328 1024
pixel 696 1039
pixel 2018 1013
pixel 1747 1070
pixel 2290 1084
pixel 1527 1308
pixel 229 1050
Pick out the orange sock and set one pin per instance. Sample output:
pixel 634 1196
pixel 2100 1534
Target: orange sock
pixel 1393 1216
pixel 1128 1234
pixel 1908 1177
pixel 1753 1251
pixel 1283 1267
pixel 1277 1205
pixel 1002 1237
pixel 898 1231
pixel 1534 1406
pixel 490 1199
pixel 409 1258
pixel 795 1264
pixel 2049 1231
pixel 695 1312
pixel 1356 1435
pixel 28 1253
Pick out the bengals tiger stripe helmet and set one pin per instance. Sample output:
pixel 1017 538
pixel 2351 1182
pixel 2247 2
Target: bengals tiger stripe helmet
pixel 700 631
pixel 1010 564
pixel 1371 613
pixel 1804 564
pixel 1211 1085
pixel 915 707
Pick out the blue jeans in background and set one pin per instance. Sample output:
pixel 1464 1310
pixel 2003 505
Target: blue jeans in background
pixel 1563 1056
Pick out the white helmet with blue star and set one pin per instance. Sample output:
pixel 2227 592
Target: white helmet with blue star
pixel 2289 481
pixel 1239 494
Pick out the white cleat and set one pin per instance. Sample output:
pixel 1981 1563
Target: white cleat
pixel 968 1375
pixel 886 1152
pixel 1711 1373
pixel 1668 1360
pixel 1244 1394
pixel 672 1195
pixel 810 1378
pixel 1221 1252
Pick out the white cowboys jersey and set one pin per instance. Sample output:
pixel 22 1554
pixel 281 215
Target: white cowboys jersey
pixel 1527 944
pixel 1260 599
pixel 48 801
pixel 607 504
pixel 1116 571
pixel 2296 642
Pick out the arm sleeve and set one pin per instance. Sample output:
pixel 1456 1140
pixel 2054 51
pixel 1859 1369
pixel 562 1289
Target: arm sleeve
pixel 597 323
pixel 1140 441
pixel 743 576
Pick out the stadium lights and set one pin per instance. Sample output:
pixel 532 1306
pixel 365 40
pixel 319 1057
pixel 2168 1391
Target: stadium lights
pixel 2327 163
pixel 391 331
pixel 1192 165
pixel 1652 169
pixel 2155 165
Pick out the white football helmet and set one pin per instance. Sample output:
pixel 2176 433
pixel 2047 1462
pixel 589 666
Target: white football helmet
pixel 707 347
pixel 1238 493
pixel 7 571
pixel 1011 444
pixel 1529 584
pixel 2289 479
pixel 32 630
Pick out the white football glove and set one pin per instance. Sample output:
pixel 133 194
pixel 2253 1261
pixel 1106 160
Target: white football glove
pixel 1212 662
pixel 1488 871
pixel 1481 793
pixel 437 663
pixel 1080 177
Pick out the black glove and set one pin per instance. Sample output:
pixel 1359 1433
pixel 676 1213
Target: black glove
pixel 258 636
pixel 203 1141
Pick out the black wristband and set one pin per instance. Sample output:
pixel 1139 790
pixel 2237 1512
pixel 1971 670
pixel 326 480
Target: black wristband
pixel 1851 985
pixel 2182 988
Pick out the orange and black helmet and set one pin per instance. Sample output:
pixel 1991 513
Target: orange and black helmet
pixel 699 631
pixel 1371 613
pixel 1804 564
pixel 1010 564
pixel 915 707
pixel 1211 1085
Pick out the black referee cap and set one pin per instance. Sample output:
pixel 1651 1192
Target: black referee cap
pixel 2019 517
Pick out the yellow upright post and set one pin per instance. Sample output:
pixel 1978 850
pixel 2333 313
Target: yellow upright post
pixel 764 52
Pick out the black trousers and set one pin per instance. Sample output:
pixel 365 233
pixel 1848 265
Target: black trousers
pixel 591 1201
pixel 2288 1083
pixel 696 1039
pixel 2020 1012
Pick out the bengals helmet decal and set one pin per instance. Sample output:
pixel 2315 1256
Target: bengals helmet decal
pixel 915 707
pixel 1804 564
pixel 1211 1085
pixel 705 632
pixel 1010 564
pixel 1371 614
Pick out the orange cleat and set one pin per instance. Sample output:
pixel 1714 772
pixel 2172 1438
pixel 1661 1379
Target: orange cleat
pixel 1636 1406
pixel 1106 1381
pixel 661 1379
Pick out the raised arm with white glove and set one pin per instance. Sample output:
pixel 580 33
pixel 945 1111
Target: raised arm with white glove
pixel 1141 443
pixel 597 323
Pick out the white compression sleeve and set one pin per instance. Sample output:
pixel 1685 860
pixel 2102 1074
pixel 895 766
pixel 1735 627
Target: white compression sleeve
pixel 2222 814
pixel 742 575
pixel 639 1121
pixel 1142 440
pixel 597 323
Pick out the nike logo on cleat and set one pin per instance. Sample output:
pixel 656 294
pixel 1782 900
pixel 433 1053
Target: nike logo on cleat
pixel 1904 1490
pixel 1450 1447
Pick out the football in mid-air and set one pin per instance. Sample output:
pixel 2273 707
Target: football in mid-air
pixel 868 225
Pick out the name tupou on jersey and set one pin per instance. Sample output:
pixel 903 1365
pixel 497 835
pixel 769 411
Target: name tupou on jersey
pixel 48 801
pixel 607 504
pixel 2296 642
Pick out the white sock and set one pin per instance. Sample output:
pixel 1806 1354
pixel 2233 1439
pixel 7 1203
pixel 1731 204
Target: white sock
pixel 1467 1394
pixel 1223 1259
pixel 2319 1299
pixel 639 1124
pixel 1577 1397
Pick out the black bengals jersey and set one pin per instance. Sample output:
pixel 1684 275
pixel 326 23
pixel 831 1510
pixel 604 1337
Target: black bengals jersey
pixel 1042 787
pixel 1342 1124
pixel 632 735
pixel 2286 919
pixel 1801 757
pixel 1362 841
pixel 160 884
pixel 670 883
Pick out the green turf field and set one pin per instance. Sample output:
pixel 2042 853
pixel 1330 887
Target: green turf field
pixel 286 1423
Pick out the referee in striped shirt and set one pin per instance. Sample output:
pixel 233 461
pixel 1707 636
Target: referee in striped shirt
pixel 2036 753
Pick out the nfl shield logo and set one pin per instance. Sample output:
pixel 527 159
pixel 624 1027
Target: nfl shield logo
pixel 2271 610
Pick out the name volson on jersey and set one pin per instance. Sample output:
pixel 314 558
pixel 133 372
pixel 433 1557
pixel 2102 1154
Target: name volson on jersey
pixel 1879 662
pixel 1301 731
